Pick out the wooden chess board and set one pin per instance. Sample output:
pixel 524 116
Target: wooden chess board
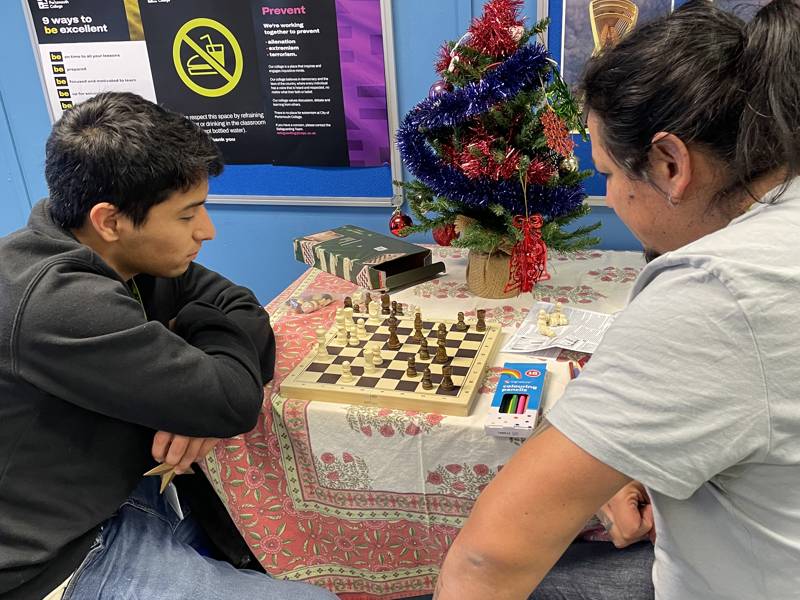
pixel 318 376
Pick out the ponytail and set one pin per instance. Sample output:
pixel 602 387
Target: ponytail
pixel 769 127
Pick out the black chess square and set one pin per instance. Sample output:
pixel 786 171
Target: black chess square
pixel 453 392
pixel 329 378
pixel 460 371
pixel 452 343
pixel 334 349
pixel 370 382
pixel 404 355
pixel 474 337
pixel 380 337
pixel 404 330
pixel 393 374
pixel 317 367
pixel 466 353
pixel 340 359
pixel 407 386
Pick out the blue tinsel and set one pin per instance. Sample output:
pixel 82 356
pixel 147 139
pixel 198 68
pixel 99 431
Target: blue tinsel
pixel 520 72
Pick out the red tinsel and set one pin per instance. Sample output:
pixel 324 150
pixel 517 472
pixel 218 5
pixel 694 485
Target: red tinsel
pixel 497 31
pixel 539 172
pixel 443 60
pixel 556 133
pixel 528 263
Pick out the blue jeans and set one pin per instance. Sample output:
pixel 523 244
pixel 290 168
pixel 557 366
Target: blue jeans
pixel 145 551
pixel 599 571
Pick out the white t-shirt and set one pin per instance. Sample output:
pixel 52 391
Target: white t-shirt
pixel 695 391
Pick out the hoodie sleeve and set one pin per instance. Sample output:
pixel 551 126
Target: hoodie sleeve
pixel 237 303
pixel 84 339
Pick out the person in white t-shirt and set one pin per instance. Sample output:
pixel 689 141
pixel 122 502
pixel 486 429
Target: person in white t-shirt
pixel 695 390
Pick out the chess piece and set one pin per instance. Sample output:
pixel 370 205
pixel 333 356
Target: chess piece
pixel 352 338
pixel 348 302
pixel 481 324
pixel 417 336
pixel 356 308
pixel 461 325
pixel 544 317
pixel 423 349
pixel 394 310
pixel 447 379
pixel 392 321
pixel 427 384
pixel 367 302
pixel 374 311
pixel 347 374
pixel 361 330
pixel 322 349
pixel 385 304
pixel 349 323
pixel 412 367
pixel 368 366
pixel 377 357
pixel 441 353
pixel 393 343
pixel 341 334
pixel 399 309
pixel 562 318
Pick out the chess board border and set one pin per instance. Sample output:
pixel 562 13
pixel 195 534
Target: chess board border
pixel 459 404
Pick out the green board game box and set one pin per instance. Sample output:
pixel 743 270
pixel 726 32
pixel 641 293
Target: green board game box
pixel 372 260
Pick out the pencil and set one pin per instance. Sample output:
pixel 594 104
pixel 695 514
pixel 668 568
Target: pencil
pixel 523 404
pixel 572 372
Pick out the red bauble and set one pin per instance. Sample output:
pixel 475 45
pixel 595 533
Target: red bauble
pixel 398 222
pixel 445 234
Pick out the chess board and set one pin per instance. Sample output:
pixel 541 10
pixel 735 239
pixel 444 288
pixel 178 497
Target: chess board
pixel 319 375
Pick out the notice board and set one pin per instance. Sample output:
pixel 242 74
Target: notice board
pixel 299 95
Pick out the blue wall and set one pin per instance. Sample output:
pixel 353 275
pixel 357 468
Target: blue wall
pixel 253 244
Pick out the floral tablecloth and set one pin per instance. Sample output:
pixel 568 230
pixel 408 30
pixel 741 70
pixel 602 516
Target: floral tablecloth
pixel 365 501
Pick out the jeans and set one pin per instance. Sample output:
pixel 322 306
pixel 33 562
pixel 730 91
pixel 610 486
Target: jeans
pixel 599 571
pixel 145 551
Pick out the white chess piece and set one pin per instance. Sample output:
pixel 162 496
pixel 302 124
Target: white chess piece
pixel 368 366
pixel 374 309
pixel 352 339
pixel 543 316
pixel 349 323
pixel 361 330
pixel 341 335
pixel 347 374
pixel 322 350
pixel 377 358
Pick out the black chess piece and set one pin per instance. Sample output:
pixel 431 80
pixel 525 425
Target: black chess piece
pixel 481 324
pixel 412 367
pixel 348 302
pixel 393 343
pixel 447 379
pixel 423 349
pixel 427 384
pixel 461 325
pixel 385 310
pixel 441 353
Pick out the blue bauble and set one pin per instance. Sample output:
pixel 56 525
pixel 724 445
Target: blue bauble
pixel 438 88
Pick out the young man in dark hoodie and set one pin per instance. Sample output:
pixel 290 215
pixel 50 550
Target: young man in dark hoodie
pixel 117 352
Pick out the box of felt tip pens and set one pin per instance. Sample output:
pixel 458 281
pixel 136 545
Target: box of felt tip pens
pixel 516 406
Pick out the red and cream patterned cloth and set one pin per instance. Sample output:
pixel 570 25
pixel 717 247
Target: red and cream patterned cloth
pixel 365 501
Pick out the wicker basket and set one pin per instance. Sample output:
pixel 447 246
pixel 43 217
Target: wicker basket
pixel 487 275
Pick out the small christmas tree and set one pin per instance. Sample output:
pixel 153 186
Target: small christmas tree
pixel 491 150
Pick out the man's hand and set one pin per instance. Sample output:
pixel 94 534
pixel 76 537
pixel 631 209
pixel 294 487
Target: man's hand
pixel 180 451
pixel 628 516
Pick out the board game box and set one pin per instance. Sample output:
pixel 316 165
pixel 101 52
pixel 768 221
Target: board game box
pixel 372 260
pixel 319 376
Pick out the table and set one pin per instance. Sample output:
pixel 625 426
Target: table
pixel 365 501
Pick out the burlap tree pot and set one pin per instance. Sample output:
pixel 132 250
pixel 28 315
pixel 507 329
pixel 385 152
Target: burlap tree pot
pixel 487 274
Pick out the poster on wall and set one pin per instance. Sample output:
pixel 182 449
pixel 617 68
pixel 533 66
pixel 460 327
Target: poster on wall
pixel 280 82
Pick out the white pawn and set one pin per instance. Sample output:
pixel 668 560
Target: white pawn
pixel 543 316
pixel 377 358
pixel 348 318
pixel 352 338
pixel 322 349
pixel 347 374
pixel 361 330
pixel 368 366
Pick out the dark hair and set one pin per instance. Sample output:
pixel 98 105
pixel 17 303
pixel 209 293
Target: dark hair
pixel 123 149
pixel 728 87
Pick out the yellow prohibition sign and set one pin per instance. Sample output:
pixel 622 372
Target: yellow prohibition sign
pixel 213 63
